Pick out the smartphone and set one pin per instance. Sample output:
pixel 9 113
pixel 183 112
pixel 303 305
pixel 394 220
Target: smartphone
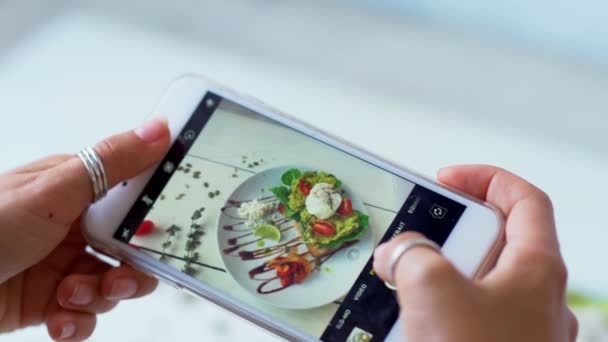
pixel 276 221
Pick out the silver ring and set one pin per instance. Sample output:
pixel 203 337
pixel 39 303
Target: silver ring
pixel 97 173
pixel 398 252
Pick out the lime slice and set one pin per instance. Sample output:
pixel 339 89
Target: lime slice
pixel 268 231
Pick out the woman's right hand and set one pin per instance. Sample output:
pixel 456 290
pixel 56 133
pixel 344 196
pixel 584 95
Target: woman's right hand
pixel 521 299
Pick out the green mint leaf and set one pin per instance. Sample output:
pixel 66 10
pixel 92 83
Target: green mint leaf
pixel 290 175
pixel 282 194
pixel 363 220
pixel 289 212
pixel 294 215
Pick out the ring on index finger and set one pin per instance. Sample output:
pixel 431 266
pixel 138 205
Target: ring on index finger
pixel 97 173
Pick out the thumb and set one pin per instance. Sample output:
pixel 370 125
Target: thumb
pixel 124 156
pixel 419 270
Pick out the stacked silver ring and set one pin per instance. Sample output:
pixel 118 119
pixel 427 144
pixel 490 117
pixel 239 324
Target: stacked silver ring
pixel 96 171
pixel 398 252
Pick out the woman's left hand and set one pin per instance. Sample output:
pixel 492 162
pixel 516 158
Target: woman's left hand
pixel 45 274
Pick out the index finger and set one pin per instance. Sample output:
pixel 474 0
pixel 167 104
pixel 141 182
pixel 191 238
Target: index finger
pixel 66 190
pixel 530 222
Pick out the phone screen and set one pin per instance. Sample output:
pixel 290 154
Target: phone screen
pixel 281 222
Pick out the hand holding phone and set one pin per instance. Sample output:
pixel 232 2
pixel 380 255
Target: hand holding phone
pixel 522 299
pixel 45 274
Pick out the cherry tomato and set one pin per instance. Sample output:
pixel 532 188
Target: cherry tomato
pixel 282 208
pixel 300 274
pixel 324 228
pixel 145 228
pixel 305 187
pixel 286 281
pixel 346 207
pixel 283 270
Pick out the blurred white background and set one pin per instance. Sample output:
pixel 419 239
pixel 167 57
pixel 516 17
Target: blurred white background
pixel 521 84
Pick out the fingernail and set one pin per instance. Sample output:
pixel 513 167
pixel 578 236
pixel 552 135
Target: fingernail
pixel 123 288
pixel 377 255
pixel 82 295
pixel 67 330
pixel 379 250
pixel 153 129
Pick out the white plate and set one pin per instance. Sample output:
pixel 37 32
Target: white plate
pixel 336 275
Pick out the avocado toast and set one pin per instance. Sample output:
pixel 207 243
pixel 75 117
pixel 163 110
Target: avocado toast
pixel 323 212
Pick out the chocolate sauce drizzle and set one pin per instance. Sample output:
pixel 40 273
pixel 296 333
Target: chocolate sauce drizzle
pixel 269 251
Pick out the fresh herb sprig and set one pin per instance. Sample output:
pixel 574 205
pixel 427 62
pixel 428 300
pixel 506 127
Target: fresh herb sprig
pixel 171 232
pixel 194 240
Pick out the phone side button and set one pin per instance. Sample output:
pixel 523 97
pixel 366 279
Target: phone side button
pixel 103 255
